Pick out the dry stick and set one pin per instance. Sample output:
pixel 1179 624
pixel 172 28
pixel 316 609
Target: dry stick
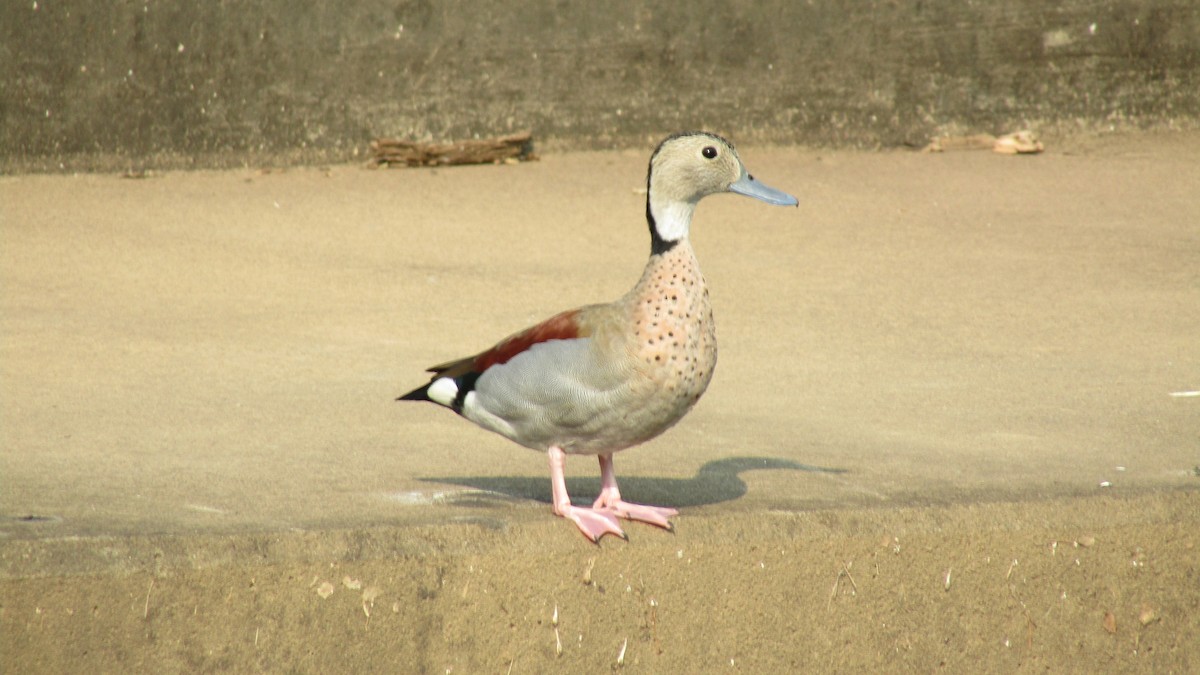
pixel 654 626
pixel 1030 624
pixel 848 576
pixel 146 613
pixel 837 581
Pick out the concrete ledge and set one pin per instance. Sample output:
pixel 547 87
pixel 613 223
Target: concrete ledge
pixel 1085 585
pixel 182 84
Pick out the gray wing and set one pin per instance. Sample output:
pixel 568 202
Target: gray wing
pixel 559 392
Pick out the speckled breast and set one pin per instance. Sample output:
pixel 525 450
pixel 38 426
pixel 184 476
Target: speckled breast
pixel 676 342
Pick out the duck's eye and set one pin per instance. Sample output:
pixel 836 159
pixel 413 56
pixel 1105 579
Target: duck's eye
pixel 709 152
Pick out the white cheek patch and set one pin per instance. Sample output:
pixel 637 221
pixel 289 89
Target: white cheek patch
pixel 443 391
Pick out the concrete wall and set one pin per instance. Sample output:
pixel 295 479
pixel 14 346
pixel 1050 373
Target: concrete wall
pixel 158 83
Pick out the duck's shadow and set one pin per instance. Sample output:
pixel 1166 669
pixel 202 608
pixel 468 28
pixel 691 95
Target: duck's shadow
pixel 717 481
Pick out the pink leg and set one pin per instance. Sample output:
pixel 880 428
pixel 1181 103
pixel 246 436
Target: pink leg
pixel 610 500
pixel 593 523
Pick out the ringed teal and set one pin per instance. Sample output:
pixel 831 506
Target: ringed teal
pixel 602 378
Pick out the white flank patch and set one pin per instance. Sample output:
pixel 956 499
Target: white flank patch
pixel 484 418
pixel 443 390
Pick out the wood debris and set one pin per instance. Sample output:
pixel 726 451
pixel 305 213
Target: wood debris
pixel 1022 142
pixel 389 152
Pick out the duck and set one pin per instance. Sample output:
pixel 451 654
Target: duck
pixel 603 378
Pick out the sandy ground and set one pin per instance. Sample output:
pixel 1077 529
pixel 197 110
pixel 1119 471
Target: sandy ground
pixel 952 427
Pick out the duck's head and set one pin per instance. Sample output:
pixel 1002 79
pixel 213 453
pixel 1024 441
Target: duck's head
pixel 687 167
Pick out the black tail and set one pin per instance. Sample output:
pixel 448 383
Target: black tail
pixel 418 394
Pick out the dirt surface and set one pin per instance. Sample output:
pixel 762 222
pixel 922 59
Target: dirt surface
pixel 954 425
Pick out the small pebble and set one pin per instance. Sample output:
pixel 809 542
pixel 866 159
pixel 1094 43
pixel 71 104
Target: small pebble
pixel 1147 615
pixel 1110 622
